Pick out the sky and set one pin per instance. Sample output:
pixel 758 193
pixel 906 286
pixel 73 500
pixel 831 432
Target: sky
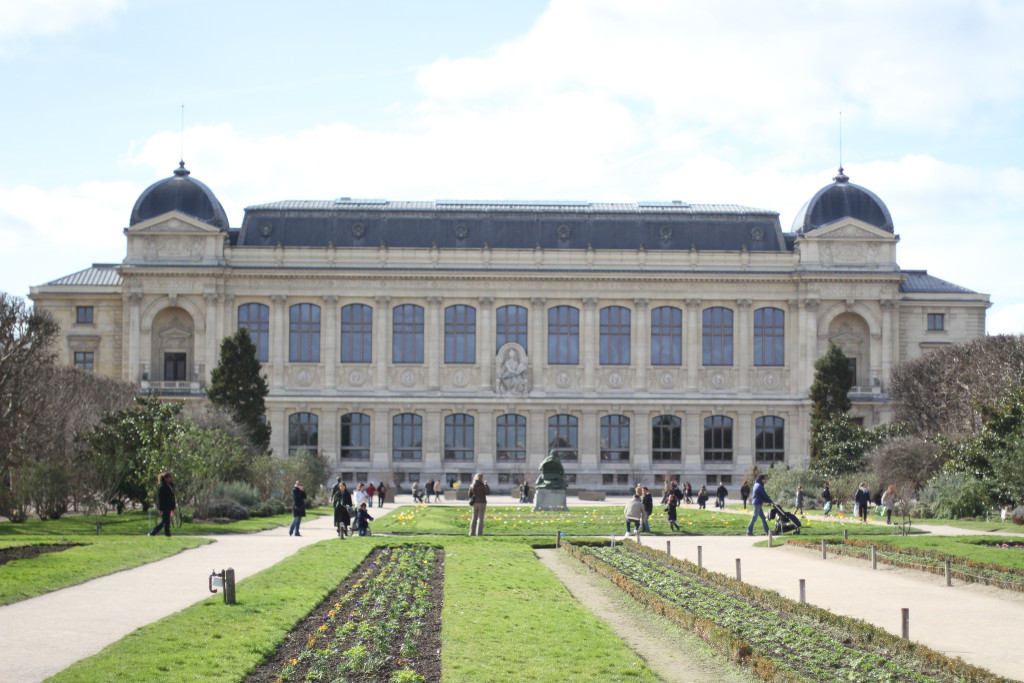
pixel 733 102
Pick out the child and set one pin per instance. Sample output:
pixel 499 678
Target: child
pixel 702 497
pixel 673 503
pixel 363 520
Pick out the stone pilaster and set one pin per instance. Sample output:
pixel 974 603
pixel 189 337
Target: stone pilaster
pixel 743 348
pixel 382 332
pixel 485 341
pixel 330 332
pixel 693 342
pixel 641 342
pixel 433 342
pixel 588 341
pixel 279 335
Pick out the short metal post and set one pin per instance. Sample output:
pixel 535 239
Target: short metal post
pixel 739 576
pixel 846 534
pixel 823 548
pixel 558 539
pixel 770 539
pixel 668 548
pixel 949 574
pixel 636 532
pixel 229 586
pixel 613 541
pixel 700 556
pixel 905 615
pixel 874 557
pixel 803 591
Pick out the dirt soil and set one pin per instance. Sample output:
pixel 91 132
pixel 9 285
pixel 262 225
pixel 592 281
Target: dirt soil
pixel 27 552
pixel 671 652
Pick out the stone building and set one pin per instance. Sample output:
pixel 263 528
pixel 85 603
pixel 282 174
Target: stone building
pixel 411 340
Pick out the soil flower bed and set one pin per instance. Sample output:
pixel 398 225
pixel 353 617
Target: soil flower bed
pixel 778 639
pixel 924 560
pixel 382 624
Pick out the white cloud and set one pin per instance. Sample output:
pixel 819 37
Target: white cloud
pixel 24 18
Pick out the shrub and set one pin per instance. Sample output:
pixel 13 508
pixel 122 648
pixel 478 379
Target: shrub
pixel 782 482
pixel 239 491
pixel 956 495
pixel 225 508
pixel 1017 516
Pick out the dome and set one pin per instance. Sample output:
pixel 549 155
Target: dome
pixel 842 199
pixel 180 193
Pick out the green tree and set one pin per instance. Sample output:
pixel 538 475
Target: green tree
pixel 842 444
pixel 237 385
pixel 829 393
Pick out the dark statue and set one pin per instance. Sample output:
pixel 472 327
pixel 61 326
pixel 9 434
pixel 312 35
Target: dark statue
pixel 552 474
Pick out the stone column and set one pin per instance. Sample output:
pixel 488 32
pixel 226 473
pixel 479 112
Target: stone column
pixel 433 441
pixel 229 316
pixel 484 439
pixel 382 332
pixel 640 440
pixel 589 441
pixel 278 418
pixel 743 441
pixel 809 321
pixel 380 440
pixel 589 335
pixel 330 330
pixel 132 371
pixel 329 435
pixel 538 349
pixel 641 342
pixel 693 341
pixel 212 335
pixel 536 439
pixel 743 348
pixel 890 343
pixel 433 342
pixel 279 334
pixel 485 342
pixel 693 443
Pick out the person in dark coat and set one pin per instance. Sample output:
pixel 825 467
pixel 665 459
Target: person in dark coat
pixel 826 500
pixel 298 508
pixel 720 495
pixel 346 499
pixel 165 503
pixel 670 510
pixel 478 492
pixel 759 498
pixel 702 498
pixel 688 493
pixel 381 492
pixel 342 516
pixel 745 493
pixel 524 492
pixel 648 500
pixel 863 499
pixel 363 519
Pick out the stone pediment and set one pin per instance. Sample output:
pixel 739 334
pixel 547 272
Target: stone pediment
pixel 174 238
pixel 172 223
pixel 850 229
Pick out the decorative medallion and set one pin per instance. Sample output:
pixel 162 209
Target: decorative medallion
pixel 718 380
pixel 757 233
pixel 460 378
pixel 358 230
pixel 408 378
pixel 461 232
pixel 615 380
pixel 665 233
pixel 564 231
pixel 563 379
pixel 304 377
pixel 266 229
pixel 667 380
pixel 356 378
pixel 770 380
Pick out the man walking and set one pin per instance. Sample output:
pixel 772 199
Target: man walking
pixel 759 498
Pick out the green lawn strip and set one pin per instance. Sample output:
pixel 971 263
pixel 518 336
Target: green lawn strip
pixel 991 526
pixel 95 557
pixel 138 522
pixel 507 618
pixel 213 641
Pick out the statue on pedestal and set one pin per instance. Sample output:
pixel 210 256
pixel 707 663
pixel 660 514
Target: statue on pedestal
pixel 552 474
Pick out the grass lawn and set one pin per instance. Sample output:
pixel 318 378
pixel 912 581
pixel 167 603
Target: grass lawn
pixel 967 547
pixel 501 609
pixel 98 556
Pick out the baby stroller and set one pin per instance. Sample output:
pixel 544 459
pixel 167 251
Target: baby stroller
pixel 785 522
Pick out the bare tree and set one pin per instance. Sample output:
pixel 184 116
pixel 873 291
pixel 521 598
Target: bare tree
pixel 906 462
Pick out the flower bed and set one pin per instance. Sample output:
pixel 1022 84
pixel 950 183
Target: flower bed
pixel 382 624
pixel 778 639
pixel 924 560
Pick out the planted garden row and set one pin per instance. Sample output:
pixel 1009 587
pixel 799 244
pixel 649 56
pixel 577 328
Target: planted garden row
pixel 382 625
pixel 778 639
pixel 922 559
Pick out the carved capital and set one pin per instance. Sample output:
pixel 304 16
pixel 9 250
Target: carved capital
pixel 693 304
pixel 538 301
pixel 590 302
pixel 641 304
pixel 435 300
pixel 744 304
pixel 279 299
pixel 486 300
pixel 330 299
pixel 382 300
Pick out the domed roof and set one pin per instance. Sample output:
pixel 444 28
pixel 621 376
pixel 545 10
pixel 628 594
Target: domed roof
pixel 181 193
pixel 842 199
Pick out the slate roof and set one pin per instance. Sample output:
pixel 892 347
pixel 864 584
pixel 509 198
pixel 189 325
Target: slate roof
pixel 181 193
pixel 98 275
pixel 920 282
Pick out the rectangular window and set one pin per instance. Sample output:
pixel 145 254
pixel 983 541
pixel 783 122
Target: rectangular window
pixel 666 336
pixel 614 337
pixel 769 440
pixel 615 438
pixel 608 479
pixel 256 319
pixel 563 335
pixel 769 336
pixel 83 315
pixel 407 334
pixel 356 334
pixel 84 360
pixel 621 479
pixel 355 436
pixel 511 327
pixel 460 334
pixel 717 336
pixel 717 439
pixel 304 334
pixel 936 322
pixel 511 438
pixel 458 437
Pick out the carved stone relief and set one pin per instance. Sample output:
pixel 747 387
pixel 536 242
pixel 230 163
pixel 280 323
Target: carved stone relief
pixel 560 378
pixel 460 377
pixel 304 375
pixel 666 378
pixel 407 378
pixel 173 248
pixel 718 378
pixel 512 371
pixel 615 378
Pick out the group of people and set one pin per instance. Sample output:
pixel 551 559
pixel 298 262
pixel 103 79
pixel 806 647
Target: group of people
pixel 351 508
pixel 422 494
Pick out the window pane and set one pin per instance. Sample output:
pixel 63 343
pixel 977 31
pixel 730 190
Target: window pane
pixel 302 432
pixel 83 315
pixel 615 438
pixel 562 437
pixel 769 336
pixel 356 334
pixel 511 327
pixel 256 319
pixel 407 334
pixel 614 338
pixel 355 436
pixel 563 335
pixel 666 336
pixel 407 437
pixel 717 336
pixel 511 437
pixel 666 439
pixel 458 437
pixel 769 439
pixel 717 439
pixel 304 334
pixel 460 334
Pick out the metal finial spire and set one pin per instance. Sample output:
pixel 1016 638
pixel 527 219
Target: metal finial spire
pixel 181 138
pixel 841 177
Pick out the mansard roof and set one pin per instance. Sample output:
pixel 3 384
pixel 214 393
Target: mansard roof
pixel 97 275
pixel 673 225
pixel 920 282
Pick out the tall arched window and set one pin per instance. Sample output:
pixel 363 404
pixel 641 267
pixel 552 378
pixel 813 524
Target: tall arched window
pixel 355 436
pixel 460 334
pixel 304 333
pixel 356 333
pixel 256 319
pixel 407 437
pixel 717 336
pixel 666 439
pixel 511 437
pixel 458 437
pixel 666 336
pixel 407 334
pixel 511 326
pixel 563 438
pixel 563 335
pixel 769 336
pixel 769 439
pixel 302 432
pixel 717 439
pixel 614 337
pixel 615 438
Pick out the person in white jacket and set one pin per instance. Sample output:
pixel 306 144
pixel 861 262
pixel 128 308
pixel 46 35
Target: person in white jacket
pixel 888 500
pixel 634 512
pixel 360 496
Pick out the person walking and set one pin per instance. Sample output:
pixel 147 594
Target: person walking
pixel 360 497
pixel 342 517
pixel 676 491
pixel 670 511
pixel 428 490
pixel 524 492
pixel 826 500
pixel 648 500
pixel 346 499
pixel 758 498
pixel 370 490
pixel 720 495
pixel 702 497
pixel 381 492
pixel 634 512
pixel 799 507
pixel 862 499
pixel 363 519
pixel 688 493
pixel 298 508
pixel 438 488
pixel 478 499
pixel 416 494
pixel 745 492
pixel 888 500
pixel 165 503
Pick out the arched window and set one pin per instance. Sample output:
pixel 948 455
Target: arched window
pixel 511 326
pixel 458 437
pixel 717 336
pixel 256 319
pixel 563 335
pixel 717 439
pixel 407 334
pixel 355 436
pixel 302 432
pixel 356 333
pixel 407 437
pixel 511 437
pixel 304 333
pixel 615 438
pixel 769 336
pixel 563 439
pixel 614 336
pixel 666 336
pixel 769 439
pixel 666 439
pixel 460 334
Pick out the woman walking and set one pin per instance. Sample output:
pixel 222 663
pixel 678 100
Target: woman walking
pixel 298 508
pixel 165 503
pixel 888 500
pixel 478 497
pixel 673 503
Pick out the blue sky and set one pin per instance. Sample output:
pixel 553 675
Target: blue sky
pixel 597 100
